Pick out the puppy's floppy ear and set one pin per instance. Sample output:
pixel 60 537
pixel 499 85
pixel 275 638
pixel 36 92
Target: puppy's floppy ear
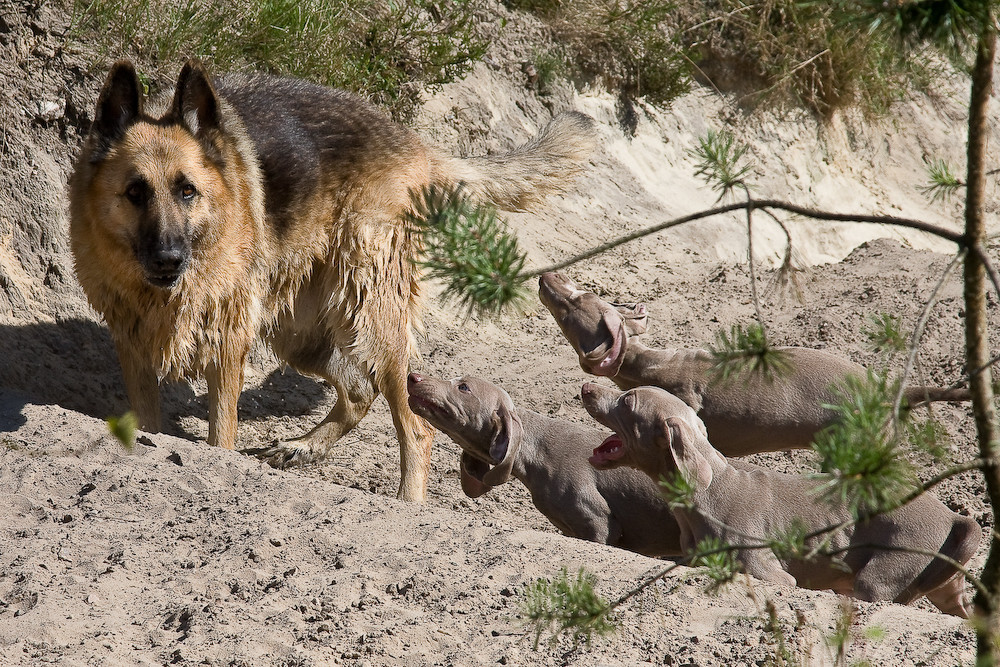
pixel 682 444
pixel 634 317
pixel 118 106
pixel 196 103
pixel 505 443
pixel 618 331
pixel 472 472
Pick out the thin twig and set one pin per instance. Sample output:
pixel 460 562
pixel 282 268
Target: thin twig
pixel 908 223
pixel 918 331
pixel 753 270
pixel 954 237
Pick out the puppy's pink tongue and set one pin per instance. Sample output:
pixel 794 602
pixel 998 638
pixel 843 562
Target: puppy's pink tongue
pixel 610 450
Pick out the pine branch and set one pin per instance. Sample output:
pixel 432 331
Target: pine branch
pixel 719 160
pixel 564 604
pixel 943 182
pixel 746 351
pixel 470 249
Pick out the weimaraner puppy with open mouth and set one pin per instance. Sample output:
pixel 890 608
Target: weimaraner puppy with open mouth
pixel 745 414
pixel 622 508
pixel 741 503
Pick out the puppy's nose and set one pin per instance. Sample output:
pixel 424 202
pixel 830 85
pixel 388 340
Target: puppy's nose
pixel 414 378
pixel 588 389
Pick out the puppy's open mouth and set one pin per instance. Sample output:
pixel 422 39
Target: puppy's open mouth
pixel 609 451
pixel 603 359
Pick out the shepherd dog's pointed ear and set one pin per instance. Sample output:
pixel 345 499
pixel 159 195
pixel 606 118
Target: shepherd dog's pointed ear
pixel 118 105
pixel 196 103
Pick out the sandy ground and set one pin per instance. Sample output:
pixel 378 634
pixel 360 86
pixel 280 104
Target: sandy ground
pixel 175 553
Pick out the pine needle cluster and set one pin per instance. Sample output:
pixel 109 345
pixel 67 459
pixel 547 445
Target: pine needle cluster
pixel 124 429
pixel 791 543
pixel 469 248
pixel 865 451
pixel 678 491
pixel 567 604
pixel 719 159
pixel 717 561
pixel 943 181
pixel 747 351
pixel 884 332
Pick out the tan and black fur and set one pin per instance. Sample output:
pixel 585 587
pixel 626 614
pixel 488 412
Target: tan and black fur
pixel 258 205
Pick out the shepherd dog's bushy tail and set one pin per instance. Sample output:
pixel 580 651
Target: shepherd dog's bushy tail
pixel 523 177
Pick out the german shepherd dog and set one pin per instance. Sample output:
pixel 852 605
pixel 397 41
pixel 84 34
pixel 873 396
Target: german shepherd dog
pixel 255 205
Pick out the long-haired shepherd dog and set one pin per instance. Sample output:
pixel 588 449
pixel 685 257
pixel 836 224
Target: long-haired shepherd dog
pixel 257 205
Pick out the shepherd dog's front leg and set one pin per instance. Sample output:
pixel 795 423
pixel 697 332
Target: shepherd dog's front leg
pixel 142 388
pixel 225 383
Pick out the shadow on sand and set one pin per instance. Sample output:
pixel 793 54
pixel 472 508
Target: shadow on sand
pixel 72 363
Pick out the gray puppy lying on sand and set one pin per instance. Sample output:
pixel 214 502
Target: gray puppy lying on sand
pixel 741 503
pixel 622 508
pixel 744 415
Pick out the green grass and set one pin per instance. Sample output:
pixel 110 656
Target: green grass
pixel 774 53
pixel 384 51
pixel 625 45
pixel 820 56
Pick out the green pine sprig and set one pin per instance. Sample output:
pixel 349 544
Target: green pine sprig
pixel 469 248
pixel 716 560
pixel 884 332
pixel 556 606
pixel 743 351
pixel 678 491
pixel 124 429
pixel 943 181
pixel 864 452
pixel 719 159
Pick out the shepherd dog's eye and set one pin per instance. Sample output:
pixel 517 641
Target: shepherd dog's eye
pixel 188 192
pixel 136 192
pixel 464 387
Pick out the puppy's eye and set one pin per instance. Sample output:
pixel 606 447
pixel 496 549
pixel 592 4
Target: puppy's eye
pixel 464 388
pixel 188 192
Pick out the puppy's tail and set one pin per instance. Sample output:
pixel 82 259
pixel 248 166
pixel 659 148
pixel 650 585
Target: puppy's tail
pixel 523 177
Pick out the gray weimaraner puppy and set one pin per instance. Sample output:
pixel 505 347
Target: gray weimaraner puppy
pixel 747 503
pixel 746 414
pixel 622 508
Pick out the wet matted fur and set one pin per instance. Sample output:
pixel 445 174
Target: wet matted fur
pixel 256 205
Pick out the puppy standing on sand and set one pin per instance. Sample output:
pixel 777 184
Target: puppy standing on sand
pixel 257 205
